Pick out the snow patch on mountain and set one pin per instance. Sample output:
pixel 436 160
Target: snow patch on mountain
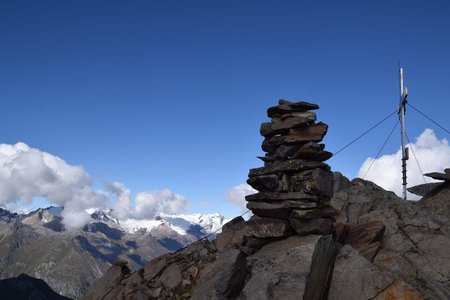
pixel 182 223
pixel 198 225
pixel 133 225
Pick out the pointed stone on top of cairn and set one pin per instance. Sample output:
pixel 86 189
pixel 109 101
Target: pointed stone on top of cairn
pixel 295 184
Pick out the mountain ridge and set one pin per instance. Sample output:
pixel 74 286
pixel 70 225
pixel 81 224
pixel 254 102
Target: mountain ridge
pixel 37 244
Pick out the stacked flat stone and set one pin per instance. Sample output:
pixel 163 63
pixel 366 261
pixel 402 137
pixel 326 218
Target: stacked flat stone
pixel 295 185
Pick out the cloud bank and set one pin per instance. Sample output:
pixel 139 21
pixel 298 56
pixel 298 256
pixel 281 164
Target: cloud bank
pixel 27 172
pixel 236 195
pixel 433 156
pixel 146 204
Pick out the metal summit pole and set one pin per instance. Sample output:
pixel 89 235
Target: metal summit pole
pixel 401 112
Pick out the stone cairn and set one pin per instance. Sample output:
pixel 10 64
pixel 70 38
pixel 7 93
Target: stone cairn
pixel 295 185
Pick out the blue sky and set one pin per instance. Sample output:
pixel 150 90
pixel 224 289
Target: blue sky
pixel 170 94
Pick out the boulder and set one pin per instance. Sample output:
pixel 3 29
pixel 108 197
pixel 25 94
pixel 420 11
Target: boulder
pixel 321 271
pixel 340 196
pixel 107 285
pixel 154 267
pixel 264 183
pixel 437 199
pixel 268 228
pixel 266 130
pixel 306 214
pixel 361 235
pixel 279 270
pixel 354 277
pixel 287 121
pixel 320 226
pixel 297 115
pixel 439 176
pixel 285 107
pixel 222 279
pixel 423 189
pixel 312 151
pixel 252 244
pixel 278 197
pixel 289 166
pixel 300 135
pixel 314 133
pixel 171 276
pixel 286 151
pixel 315 182
pixel 370 251
pixel 232 235
pixel 278 209
pixel 293 120
pixel 400 290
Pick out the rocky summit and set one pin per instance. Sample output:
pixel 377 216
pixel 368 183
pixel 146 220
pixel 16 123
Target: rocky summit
pixel 314 235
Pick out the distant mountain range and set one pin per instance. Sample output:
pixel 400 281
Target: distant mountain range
pixel 69 261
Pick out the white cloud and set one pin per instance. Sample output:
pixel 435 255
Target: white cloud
pixel 122 195
pixel 236 195
pixel 433 156
pixel 27 172
pixel 148 204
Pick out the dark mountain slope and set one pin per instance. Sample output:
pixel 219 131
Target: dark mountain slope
pixel 25 287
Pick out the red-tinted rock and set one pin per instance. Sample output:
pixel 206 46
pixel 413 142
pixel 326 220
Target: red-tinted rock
pixel 298 136
pixel 400 290
pixel 361 235
pixel 313 133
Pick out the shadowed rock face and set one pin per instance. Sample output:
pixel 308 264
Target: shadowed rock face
pixel 413 251
pixel 25 287
pixel 435 195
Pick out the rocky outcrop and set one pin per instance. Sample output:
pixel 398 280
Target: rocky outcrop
pixel 412 251
pixel 171 276
pixel 314 235
pixel 435 196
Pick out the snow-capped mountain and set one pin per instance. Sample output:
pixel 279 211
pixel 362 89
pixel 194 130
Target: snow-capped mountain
pixel 37 244
pixel 196 224
pixel 199 225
